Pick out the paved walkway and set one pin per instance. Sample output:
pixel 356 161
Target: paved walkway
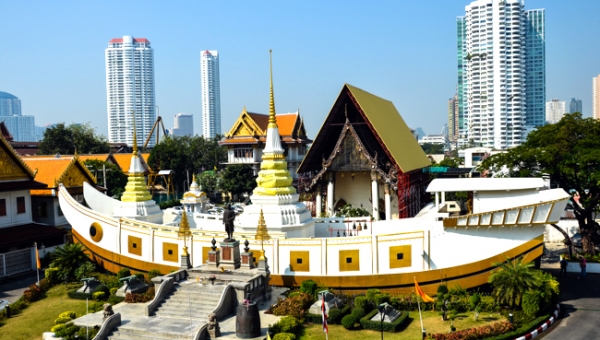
pixel 13 288
pixel 580 299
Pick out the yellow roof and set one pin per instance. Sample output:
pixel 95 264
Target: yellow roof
pixel 12 166
pixel 392 130
pixel 51 171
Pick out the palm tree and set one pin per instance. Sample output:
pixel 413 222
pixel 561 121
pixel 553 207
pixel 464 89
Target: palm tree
pixel 68 258
pixel 512 280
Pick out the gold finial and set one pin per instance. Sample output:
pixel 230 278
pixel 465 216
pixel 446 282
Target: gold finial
pixel 272 119
pixel 135 148
pixel 184 231
pixel 194 178
pixel 262 234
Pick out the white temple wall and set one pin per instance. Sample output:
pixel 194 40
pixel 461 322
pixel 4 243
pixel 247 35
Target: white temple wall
pixel 355 191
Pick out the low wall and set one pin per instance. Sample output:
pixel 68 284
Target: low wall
pixel 573 267
pixel 107 326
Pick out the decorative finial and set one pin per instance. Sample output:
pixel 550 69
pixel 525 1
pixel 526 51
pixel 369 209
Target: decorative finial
pixel 272 119
pixel 135 148
pixel 262 234
pixel 184 231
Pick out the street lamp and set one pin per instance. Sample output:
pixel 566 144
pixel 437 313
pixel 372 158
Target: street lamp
pixel 384 308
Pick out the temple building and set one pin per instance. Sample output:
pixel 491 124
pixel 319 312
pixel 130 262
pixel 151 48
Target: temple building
pixel 365 155
pixel 246 139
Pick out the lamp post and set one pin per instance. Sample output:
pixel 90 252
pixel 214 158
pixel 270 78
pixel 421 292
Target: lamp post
pixel 383 308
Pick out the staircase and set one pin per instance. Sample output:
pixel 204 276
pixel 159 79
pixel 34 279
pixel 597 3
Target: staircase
pixel 179 316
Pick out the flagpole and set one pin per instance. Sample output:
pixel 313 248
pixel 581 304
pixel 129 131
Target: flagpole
pixel 420 316
pixel 37 261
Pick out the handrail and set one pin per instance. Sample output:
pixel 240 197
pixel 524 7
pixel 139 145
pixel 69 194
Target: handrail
pixel 162 291
pixel 222 310
pixel 107 326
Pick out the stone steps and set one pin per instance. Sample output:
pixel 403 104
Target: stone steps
pixel 182 331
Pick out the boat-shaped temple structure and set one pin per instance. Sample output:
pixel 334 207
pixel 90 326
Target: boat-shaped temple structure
pixel 440 241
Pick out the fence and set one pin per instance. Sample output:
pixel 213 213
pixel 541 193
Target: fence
pixel 18 261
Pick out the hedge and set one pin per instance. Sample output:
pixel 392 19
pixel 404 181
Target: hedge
pixel 332 318
pixel 526 328
pixel 74 294
pixel 366 322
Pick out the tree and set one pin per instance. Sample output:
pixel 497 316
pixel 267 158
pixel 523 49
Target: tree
pixel 116 180
pixel 569 151
pixel 430 149
pixel 238 179
pixel 449 162
pixel 512 280
pixel 66 139
pixel 209 181
pixel 68 258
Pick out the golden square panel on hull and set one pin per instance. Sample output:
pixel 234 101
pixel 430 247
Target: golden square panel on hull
pixel 170 252
pixel 299 261
pixel 349 260
pixel 400 256
pixel 134 245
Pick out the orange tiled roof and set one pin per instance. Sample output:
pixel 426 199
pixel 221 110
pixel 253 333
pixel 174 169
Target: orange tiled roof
pixel 101 157
pixel 285 122
pixel 51 169
pixel 123 161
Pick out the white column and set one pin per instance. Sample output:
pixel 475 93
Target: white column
pixel 330 196
pixel 443 197
pixel 318 202
pixel 388 203
pixel 437 200
pixel 375 196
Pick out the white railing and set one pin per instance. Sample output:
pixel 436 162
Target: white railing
pixel 15 262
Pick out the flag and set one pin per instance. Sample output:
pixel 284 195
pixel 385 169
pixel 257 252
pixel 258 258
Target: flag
pixel 324 313
pixel 419 292
pixel 37 258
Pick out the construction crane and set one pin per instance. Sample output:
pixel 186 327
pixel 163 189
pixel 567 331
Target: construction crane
pixel 155 127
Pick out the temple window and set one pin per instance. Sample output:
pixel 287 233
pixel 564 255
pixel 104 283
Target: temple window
pixel 20 205
pixel 2 207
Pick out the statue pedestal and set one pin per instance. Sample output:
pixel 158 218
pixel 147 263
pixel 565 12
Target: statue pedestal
pixel 230 254
pixel 185 262
pixel 214 258
pixel 247 260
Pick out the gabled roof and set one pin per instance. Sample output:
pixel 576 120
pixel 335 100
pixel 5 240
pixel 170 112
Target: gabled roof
pixel 379 125
pixel 12 166
pixel 5 133
pixel 123 161
pixel 68 170
pixel 251 127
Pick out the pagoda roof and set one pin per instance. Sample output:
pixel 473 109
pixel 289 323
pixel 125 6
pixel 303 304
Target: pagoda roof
pixel 378 124
pixel 251 128
pixel 68 170
pixel 14 170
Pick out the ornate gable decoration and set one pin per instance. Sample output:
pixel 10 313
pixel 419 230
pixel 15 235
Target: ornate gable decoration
pixel 75 174
pixel 12 166
pixel 245 126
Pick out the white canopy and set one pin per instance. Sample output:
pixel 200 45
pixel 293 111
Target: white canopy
pixel 484 184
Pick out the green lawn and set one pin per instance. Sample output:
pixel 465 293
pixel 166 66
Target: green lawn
pixel 39 316
pixel 431 321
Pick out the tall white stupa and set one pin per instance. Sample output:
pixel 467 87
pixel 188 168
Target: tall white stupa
pixel 275 194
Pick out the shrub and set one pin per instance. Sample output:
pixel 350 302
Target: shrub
pixel 45 284
pixel 74 294
pixel 295 306
pixel 139 298
pixel 102 288
pixel 371 295
pixel 113 290
pixel 98 296
pixel 113 299
pixel 348 321
pixel 358 313
pixel 68 314
pixel 284 336
pixel 287 324
pixel 525 328
pixel 474 301
pixel 68 332
pixel 381 298
pixel 85 270
pixel 110 281
pixel 52 274
pixel 476 333
pixel 61 320
pixel 58 328
pixel 366 322
pixel 361 302
pixel 33 293
pixel 531 303
pixel 17 306
pixel 141 277
pixel 309 287
pixel 123 273
pixel 335 314
pixel 153 273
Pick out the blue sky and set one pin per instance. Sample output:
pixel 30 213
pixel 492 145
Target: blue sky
pixel 52 54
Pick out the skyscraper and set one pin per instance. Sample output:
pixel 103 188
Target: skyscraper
pixel 555 110
pixel 9 105
pixel 211 93
pixel 129 89
pixel 183 125
pixel 575 106
pixel 453 118
pixel 22 128
pixel 501 72
pixel 596 96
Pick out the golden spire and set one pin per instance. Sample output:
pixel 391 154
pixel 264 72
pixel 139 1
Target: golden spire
pixel 184 231
pixel 262 234
pixel 272 119
pixel 135 148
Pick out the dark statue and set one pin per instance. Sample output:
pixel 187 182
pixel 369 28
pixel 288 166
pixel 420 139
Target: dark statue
pixel 228 218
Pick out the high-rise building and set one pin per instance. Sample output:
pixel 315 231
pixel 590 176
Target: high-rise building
pixel 555 110
pixel 129 89
pixel 9 105
pixel 211 93
pixel 183 125
pixel 501 72
pixel 596 96
pixel 575 106
pixel 453 118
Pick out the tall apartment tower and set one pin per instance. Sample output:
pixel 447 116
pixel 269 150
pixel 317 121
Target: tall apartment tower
pixel 575 106
pixel 596 96
pixel 129 89
pixel 211 93
pixel 183 125
pixel 10 105
pixel 555 110
pixel 453 118
pixel 501 72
